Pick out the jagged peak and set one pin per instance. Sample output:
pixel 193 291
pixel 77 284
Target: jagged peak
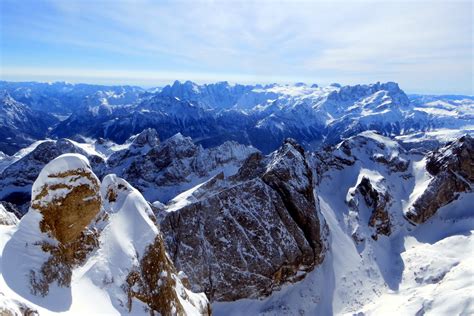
pixel 148 136
pixel 371 136
pixel 289 162
pixel 294 144
pixel 6 217
pixel 6 100
pixel 356 92
pixel 179 138
pixel 188 84
pixel 457 156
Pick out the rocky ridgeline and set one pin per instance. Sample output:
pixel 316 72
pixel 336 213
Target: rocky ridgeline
pixel 21 125
pixel 173 165
pixel 75 220
pixel 7 217
pixel 257 229
pixel 16 180
pixel 248 223
pixel 452 171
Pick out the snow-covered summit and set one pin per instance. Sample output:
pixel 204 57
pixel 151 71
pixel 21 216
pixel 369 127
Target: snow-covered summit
pixel 83 239
pixel 258 229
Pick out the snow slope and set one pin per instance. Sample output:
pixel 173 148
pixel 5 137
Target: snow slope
pixel 127 233
pixel 425 269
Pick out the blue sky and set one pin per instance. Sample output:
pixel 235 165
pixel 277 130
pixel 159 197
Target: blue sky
pixel 425 46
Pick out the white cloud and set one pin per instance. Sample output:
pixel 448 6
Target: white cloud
pixel 411 42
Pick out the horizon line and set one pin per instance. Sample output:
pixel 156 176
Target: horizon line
pixel 230 82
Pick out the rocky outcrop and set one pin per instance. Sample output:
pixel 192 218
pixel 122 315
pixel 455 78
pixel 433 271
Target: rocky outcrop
pixel 146 273
pixel 66 195
pixel 378 202
pixel 290 176
pixel 256 230
pixel 178 164
pixel 452 169
pixel 105 229
pixel 395 164
pixel 17 178
pixel 7 217
pixel 13 307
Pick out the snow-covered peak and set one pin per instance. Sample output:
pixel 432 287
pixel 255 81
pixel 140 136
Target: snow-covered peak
pixel 6 217
pixel 82 240
pixel 148 137
pixel 179 145
pixel 454 156
pixel 65 201
pixel 371 146
pixel 59 165
pixel 5 98
pixel 132 255
pixel 27 165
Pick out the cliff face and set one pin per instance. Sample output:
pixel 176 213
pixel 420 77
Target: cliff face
pixel 452 171
pixel 76 222
pixel 290 176
pixel 245 235
pixel 377 201
pixel 66 196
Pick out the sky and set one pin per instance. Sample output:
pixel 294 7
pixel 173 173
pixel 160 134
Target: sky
pixel 425 46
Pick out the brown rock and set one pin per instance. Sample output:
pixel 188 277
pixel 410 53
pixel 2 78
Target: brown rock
pixel 68 202
pixel 154 282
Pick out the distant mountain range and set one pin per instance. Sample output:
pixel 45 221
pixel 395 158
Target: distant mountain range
pixel 258 115
pixel 231 199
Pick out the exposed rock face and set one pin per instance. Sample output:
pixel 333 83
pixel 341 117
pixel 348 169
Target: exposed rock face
pixel 155 283
pixel 22 173
pixel 290 176
pixel 452 168
pixel 106 229
pixel 67 196
pixel 178 164
pixel 146 274
pixel 148 137
pixel 395 164
pixel 377 202
pixel 456 157
pixel 66 215
pixel 256 230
